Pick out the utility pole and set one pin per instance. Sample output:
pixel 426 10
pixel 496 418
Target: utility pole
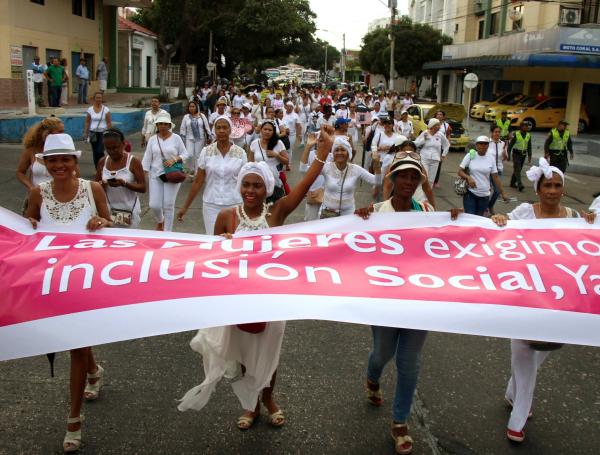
pixel 326 46
pixel 344 58
pixel 392 5
pixel 210 46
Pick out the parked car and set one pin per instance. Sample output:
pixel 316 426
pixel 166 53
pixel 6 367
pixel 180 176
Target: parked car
pixel 494 110
pixel 546 114
pixel 455 114
pixel 478 109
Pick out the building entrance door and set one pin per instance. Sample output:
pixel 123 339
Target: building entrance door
pixel 136 64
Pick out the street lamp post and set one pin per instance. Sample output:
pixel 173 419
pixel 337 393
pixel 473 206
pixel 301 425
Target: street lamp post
pixel 343 65
pixel 392 4
pixel 326 46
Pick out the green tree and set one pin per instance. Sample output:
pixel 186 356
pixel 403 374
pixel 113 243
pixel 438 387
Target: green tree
pixel 415 45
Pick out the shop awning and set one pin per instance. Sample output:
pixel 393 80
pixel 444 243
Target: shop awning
pixel 544 59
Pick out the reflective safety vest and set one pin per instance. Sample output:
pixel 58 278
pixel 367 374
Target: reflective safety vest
pixel 521 142
pixel 559 143
pixel 503 126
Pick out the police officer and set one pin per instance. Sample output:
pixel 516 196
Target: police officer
pixel 504 124
pixel 557 144
pixel 518 148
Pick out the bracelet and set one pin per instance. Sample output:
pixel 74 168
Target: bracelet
pixel 319 160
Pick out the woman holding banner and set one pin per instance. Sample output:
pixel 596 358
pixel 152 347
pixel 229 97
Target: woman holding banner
pixel 528 356
pixel 407 174
pixel 67 200
pixel 251 349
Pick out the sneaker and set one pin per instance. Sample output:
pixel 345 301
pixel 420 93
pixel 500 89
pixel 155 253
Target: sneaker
pixel 515 436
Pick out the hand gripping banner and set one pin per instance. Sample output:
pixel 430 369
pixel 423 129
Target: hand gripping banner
pixel 535 280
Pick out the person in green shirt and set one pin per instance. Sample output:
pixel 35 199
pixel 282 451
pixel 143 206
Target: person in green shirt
pixel 557 144
pixel 519 147
pixel 56 75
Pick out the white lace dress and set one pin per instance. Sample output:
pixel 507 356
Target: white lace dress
pixel 76 212
pixel 225 349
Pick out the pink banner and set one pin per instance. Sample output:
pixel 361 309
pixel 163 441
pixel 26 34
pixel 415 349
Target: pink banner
pixel 531 280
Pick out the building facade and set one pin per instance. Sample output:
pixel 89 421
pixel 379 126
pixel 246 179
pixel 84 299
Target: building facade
pixel 440 14
pixel 530 47
pixel 67 29
pixel 138 56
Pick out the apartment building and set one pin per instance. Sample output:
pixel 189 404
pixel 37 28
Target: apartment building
pixel 67 29
pixel 531 47
pixel 440 14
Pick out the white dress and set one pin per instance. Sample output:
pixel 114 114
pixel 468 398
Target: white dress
pixel 225 349
pixel 76 212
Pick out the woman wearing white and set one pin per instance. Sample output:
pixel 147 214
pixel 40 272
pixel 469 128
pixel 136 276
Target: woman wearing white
pixel 270 149
pixel 218 167
pixel 122 177
pixel 404 126
pixel 383 141
pixel 164 149
pixel 314 197
pixel 433 147
pixel 354 126
pixel 149 127
pixel 342 178
pixel 67 200
pixel 250 350
pixel 195 133
pixel 528 356
pixel 97 120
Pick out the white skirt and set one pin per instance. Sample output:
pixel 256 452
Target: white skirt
pixel 224 350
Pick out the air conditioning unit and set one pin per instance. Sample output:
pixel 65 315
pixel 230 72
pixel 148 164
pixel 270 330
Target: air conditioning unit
pixel 570 16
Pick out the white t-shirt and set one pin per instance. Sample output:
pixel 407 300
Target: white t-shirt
pixel 496 150
pixel 480 168
pixel 171 147
pixel 260 154
pixel 323 121
pixel 404 128
pixel 98 119
pixel 432 147
pixel 290 121
pixel 238 101
pixel 382 140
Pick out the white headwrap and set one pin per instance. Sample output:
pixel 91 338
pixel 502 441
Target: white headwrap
pixel 342 141
pixel 534 174
pixel 223 117
pixel 261 169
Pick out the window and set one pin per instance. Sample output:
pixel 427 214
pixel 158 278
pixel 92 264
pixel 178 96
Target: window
pixel 39 2
pixel 481 29
pixel 77 7
pixel 517 12
pixel 90 9
pixel 494 24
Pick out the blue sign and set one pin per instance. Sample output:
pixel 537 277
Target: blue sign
pixel 584 48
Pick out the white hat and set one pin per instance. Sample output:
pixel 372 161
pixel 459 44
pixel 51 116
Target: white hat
pixel 261 169
pixel 247 106
pixel 432 122
pixel 289 103
pixel 404 112
pixel 399 140
pixel 60 144
pixel 164 117
pixel 482 139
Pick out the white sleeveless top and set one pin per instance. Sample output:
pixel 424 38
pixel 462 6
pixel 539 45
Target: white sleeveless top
pixel 257 223
pixel 121 197
pixel 76 212
pixel 39 172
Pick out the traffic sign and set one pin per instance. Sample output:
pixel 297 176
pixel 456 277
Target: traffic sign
pixel 210 66
pixel 471 80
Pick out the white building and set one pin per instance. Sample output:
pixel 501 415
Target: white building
pixel 440 14
pixel 382 22
pixel 138 55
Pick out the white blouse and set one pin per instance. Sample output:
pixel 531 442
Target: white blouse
pixel 260 154
pixel 496 149
pixel 98 119
pixel 432 147
pixel 220 186
pixel 333 186
pixel 185 129
pixel 171 148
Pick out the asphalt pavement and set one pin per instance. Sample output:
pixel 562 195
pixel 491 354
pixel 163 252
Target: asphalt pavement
pixel 459 408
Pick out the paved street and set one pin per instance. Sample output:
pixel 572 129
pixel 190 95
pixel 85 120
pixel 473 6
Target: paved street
pixel 459 408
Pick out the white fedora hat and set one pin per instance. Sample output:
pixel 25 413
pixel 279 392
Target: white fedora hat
pixel 164 117
pixel 60 144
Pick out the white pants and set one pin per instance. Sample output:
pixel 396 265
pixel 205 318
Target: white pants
pixel 209 214
pixel 292 145
pixel 162 201
pixel 311 212
pixel 431 167
pixel 194 148
pixel 524 364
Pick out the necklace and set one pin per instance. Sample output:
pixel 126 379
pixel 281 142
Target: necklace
pixel 256 222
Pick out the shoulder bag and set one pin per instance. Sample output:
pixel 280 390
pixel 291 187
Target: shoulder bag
pixel 94 137
pixel 326 212
pixel 461 185
pixel 174 173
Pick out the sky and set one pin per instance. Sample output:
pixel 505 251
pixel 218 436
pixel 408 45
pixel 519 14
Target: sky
pixel 351 17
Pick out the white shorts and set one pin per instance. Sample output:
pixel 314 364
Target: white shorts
pixel 102 85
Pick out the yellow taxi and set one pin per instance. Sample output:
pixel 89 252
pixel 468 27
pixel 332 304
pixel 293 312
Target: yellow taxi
pixel 455 114
pixel 495 110
pixel 545 114
pixel 478 109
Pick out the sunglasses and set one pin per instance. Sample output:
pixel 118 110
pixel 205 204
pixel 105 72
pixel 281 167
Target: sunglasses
pixel 235 113
pixel 403 154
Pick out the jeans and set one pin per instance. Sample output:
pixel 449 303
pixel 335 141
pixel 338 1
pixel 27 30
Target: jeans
pixel 518 162
pixel 475 205
pixel 82 93
pixel 406 345
pixel 495 192
pixel 38 91
pixel 55 95
pixel 97 147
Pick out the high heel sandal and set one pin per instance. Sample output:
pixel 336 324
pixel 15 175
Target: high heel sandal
pixel 374 394
pixel 245 422
pixel 72 441
pixel 92 391
pixel 403 442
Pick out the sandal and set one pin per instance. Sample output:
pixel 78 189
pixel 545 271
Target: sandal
pixel 92 391
pixel 72 441
pixel 245 422
pixel 403 442
pixel 515 436
pixel 374 394
pixel 277 419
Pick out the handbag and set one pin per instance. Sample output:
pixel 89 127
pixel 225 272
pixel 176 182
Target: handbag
pixel 326 212
pixel 173 173
pixel 121 217
pixel 94 137
pixel 315 197
pixel 461 185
